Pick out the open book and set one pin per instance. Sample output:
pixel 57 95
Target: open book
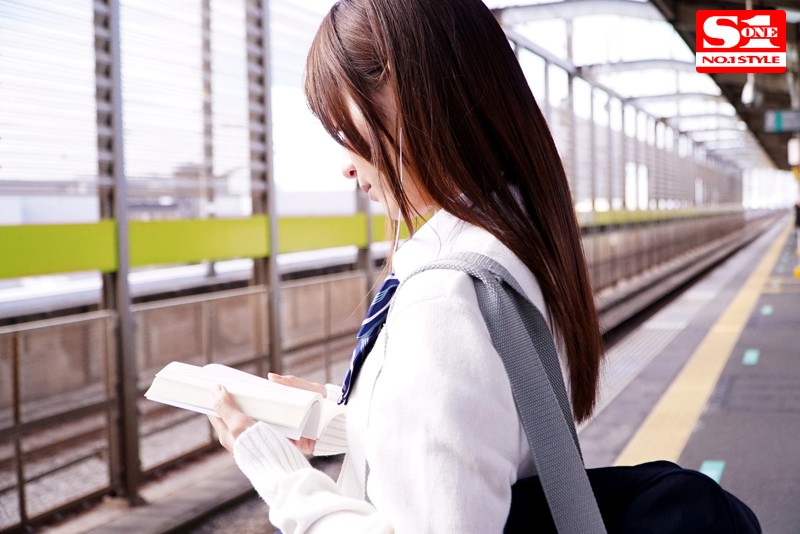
pixel 293 412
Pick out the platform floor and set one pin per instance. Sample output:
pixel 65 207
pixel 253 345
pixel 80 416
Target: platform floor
pixel 711 381
pixel 720 391
pixel 749 432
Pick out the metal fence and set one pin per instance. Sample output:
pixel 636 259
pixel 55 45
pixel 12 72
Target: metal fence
pixel 60 440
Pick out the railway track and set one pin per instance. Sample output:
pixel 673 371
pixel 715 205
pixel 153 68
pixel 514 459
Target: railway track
pixel 46 452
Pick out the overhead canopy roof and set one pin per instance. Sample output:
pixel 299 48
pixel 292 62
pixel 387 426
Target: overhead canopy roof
pixel 708 109
pixel 772 91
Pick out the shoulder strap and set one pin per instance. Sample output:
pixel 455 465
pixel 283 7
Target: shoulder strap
pixel 525 343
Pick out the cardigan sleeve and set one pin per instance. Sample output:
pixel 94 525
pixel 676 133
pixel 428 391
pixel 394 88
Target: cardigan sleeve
pixel 301 499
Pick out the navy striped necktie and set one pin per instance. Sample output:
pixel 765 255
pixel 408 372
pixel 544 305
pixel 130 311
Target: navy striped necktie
pixel 368 333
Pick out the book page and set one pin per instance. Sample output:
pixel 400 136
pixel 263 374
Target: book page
pixel 292 411
pixel 263 387
pixel 320 422
pixel 332 432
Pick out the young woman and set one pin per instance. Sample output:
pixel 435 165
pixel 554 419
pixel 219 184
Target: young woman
pixel 433 110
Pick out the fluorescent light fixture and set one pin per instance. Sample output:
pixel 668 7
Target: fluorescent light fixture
pixel 749 89
pixel 792 16
pixel 793 150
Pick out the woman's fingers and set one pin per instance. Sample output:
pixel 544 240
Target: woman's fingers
pixel 222 432
pixel 232 421
pixel 299 383
pixel 304 445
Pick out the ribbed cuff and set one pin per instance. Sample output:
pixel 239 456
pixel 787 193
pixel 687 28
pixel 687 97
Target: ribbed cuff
pixel 265 457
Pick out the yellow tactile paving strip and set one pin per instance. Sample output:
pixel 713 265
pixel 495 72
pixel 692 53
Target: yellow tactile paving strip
pixel 664 433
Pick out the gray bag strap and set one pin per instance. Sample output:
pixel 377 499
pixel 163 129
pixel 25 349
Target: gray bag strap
pixel 525 343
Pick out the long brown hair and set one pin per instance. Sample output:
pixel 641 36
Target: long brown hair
pixel 470 126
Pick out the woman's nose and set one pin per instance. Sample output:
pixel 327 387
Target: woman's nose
pixel 349 170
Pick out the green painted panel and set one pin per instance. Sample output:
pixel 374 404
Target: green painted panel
pixel 30 250
pixel 187 241
pixel 297 234
pixel 618 217
pixel 381 233
pixel 380 230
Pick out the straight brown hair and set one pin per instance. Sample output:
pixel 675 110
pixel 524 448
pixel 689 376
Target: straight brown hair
pixel 471 127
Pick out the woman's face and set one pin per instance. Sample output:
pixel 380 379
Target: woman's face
pixel 372 182
pixel 369 180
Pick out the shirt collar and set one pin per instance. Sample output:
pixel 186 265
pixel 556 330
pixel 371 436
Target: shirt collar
pixel 429 242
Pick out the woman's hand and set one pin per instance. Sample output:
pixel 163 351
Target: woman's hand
pixel 231 421
pixel 305 445
pixel 299 383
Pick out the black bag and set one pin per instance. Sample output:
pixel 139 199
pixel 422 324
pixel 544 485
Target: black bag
pixel 657 497
pixel 653 498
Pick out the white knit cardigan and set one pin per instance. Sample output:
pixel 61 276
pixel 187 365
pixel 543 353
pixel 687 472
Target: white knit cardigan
pixel 434 439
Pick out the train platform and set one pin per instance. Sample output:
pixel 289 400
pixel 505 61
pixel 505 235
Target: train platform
pixel 173 504
pixel 711 381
